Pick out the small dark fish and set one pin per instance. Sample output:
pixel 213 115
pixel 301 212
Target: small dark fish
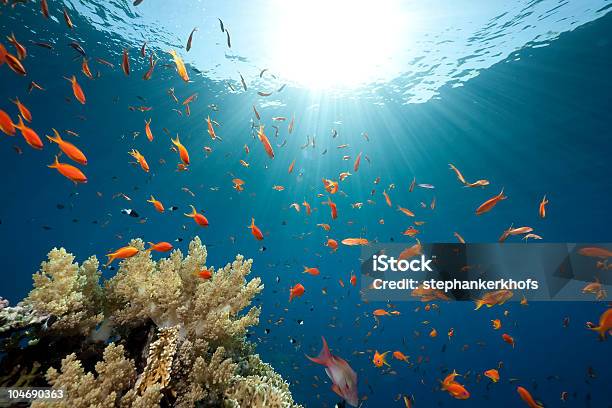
pixel 281 88
pixel 324 151
pixel 221 25
pixel 46 227
pixel 300 322
pixel 130 212
pixel 77 47
pixel 105 62
pixel 179 239
pixel 229 41
pixel 334 133
pixel 243 82
pixel 137 2
pixel 262 72
pixel 173 208
pixel 143 50
pixel 256 113
pixel 191 38
pixel 262 249
pixel 43 45
pixel 292 340
pixel 231 87
pixel 267 331
pixel 264 93
pixel 60 206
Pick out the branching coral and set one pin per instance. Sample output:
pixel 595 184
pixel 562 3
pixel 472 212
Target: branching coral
pixel 68 292
pixel 115 375
pixel 179 339
pixel 170 293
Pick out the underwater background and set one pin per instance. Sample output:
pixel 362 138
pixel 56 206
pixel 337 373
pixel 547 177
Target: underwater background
pixel 518 93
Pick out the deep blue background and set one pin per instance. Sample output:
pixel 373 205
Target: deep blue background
pixel 537 125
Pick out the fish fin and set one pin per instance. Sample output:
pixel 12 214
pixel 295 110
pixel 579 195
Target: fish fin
pixel 335 388
pixel 479 304
pixel 54 165
pixel 324 357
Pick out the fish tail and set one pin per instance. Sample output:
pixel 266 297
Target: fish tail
pixel 69 79
pixel 151 200
pixel 111 258
pixel 501 194
pixel 148 122
pixel 57 138
pixel 193 212
pixel 252 223
pixel 324 356
pixel 151 245
pixel 55 164
pixel 479 304
pixel 600 330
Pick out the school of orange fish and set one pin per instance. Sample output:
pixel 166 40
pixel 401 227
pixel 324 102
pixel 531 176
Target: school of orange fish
pixel 14 57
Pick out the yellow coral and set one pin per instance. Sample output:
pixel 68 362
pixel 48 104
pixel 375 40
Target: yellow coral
pixel 169 293
pixel 115 374
pixel 159 361
pixel 67 291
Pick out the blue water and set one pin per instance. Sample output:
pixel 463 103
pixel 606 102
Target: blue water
pixel 535 122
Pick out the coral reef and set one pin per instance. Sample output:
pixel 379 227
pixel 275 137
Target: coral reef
pixel 155 334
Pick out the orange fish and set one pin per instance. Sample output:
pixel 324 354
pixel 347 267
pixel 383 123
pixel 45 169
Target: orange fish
pixel 595 252
pixel 296 291
pixel 291 167
pixel 526 396
pixel 211 129
pixel 68 148
pixel 243 163
pixel 278 188
pixel 44 8
pixel 30 136
pixel 265 142
pixel 387 199
pixel 605 324
pixel 160 247
pixel 357 161
pixel 379 359
pixel 149 73
pixel 341 282
pixel 199 219
pixel 140 158
pixel 405 211
pixel 330 185
pixel 490 203
pixel 326 227
pixel 21 50
pixel 398 355
pixel 412 251
pixel 67 19
pixel 411 231
pixel 183 153
pixel 380 312
pixel 25 112
pixel 496 324
pixel 148 130
pixel 353 280
pixel 2 54
pixel 180 66
pixel 490 299
pixel 508 339
pixel 14 64
pixel 76 89
pixel 6 124
pixel 311 271
pixel 332 244
pixel 69 171
pixel 355 241
pixel 433 333
pixel 204 274
pixel 456 390
pixel 255 230
pixel 157 204
pixel 307 206
pixel 333 208
pixel 125 62
pixel 493 374
pixel 85 69
pixel 122 253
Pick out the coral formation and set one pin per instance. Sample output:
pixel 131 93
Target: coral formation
pixel 177 340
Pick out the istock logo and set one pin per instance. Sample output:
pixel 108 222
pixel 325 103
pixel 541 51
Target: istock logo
pixel 383 263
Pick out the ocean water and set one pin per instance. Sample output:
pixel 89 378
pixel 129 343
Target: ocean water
pixel 515 92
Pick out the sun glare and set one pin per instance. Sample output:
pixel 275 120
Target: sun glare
pixel 337 43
